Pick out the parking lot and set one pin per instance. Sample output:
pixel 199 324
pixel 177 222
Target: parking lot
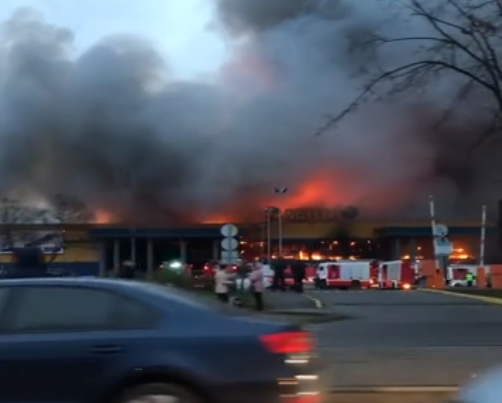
pixel 408 338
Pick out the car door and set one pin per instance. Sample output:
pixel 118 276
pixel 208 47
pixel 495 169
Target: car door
pixel 58 343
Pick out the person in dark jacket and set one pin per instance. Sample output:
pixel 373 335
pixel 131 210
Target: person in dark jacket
pixel 28 262
pixel 127 270
pixel 298 268
pixel 279 282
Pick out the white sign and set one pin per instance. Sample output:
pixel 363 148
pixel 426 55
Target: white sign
pixel 230 257
pixel 229 230
pixel 440 230
pixel 50 242
pixel 229 243
pixel 443 247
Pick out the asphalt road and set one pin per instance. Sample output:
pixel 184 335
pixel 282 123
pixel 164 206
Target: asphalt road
pixel 408 338
pixel 389 398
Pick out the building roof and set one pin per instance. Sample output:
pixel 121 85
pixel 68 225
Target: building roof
pixel 291 231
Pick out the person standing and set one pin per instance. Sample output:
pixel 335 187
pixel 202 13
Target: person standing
pixel 241 275
pixel 257 286
pixel 127 270
pixel 279 282
pixel 222 284
pixel 469 277
pixel 322 278
pixel 298 269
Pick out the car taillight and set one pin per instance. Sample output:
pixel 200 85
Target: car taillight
pixel 288 342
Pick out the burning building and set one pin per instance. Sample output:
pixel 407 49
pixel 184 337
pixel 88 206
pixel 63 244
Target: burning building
pixel 92 247
pixel 114 127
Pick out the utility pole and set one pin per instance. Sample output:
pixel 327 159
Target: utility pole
pixel 280 191
pixel 268 212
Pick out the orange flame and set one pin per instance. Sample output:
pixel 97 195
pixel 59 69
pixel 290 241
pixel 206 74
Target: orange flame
pixel 103 217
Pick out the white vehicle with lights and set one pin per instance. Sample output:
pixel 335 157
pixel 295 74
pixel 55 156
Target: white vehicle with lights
pixel 345 274
pixel 456 274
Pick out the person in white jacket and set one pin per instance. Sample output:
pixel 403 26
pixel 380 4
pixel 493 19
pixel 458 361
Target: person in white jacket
pixel 222 283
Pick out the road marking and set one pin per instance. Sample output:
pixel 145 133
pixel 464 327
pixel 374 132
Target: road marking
pixel 483 298
pixel 396 389
pixel 317 302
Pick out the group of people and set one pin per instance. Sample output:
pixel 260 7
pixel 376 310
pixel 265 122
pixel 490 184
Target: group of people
pixel 224 282
pixel 298 271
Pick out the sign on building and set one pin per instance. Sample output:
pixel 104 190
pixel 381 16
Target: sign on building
pixel 39 232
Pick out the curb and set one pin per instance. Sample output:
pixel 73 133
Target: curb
pixel 488 300
pixel 395 389
pixel 317 302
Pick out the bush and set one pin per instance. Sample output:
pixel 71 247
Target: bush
pixel 172 277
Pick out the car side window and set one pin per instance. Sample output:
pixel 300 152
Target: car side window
pixel 4 298
pixel 66 309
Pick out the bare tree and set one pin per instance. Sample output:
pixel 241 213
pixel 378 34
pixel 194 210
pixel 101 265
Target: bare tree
pixel 465 42
pixel 71 210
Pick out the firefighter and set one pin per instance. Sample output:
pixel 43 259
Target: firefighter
pixel 469 277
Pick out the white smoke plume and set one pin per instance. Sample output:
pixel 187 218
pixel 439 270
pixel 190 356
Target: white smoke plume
pixel 112 128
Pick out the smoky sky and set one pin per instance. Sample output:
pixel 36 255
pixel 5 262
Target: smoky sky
pixel 113 128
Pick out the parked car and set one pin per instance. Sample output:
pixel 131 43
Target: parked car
pixel 92 340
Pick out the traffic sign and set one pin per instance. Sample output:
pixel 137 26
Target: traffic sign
pixel 230 256
pixel 229 230
pixel 443 247
pixel 229 243
pixel 440 230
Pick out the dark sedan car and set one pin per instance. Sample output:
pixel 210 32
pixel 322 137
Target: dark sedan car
pixel 99 341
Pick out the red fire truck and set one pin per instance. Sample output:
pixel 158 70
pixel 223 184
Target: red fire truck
pixel 396 275
pixel 354 274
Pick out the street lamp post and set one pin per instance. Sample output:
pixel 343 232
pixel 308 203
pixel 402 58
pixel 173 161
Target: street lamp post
pixel 268 212
pixel 263 237
pixel 281 191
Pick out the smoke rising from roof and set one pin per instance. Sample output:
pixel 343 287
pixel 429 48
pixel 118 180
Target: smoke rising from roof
pixel 111 127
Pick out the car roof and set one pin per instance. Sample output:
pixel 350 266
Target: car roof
pixel 65 281
pixel 147 290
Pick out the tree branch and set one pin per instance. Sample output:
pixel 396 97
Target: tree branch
pixel 481 38
pixel 401 71
pixel 435 23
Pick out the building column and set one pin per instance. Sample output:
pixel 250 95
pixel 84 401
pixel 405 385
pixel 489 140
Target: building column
pixel 102 259
pixel 216 249
pixel 116 255
pixel 133 249
pixel 183 251
pixel 413 248
pixel 396 249
pixel 149 259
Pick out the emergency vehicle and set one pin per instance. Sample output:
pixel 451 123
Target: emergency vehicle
pixel 268 275
pixel 396 275
pixel 456 274
pixel 351 274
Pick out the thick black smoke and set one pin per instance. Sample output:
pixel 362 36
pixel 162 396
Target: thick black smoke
pixel 114 129
pixel 434 112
